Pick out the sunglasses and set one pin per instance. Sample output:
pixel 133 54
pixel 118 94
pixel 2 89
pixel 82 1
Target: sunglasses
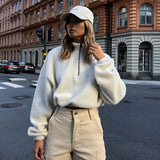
pixel 74 20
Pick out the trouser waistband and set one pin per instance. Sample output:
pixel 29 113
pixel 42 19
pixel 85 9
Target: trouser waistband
pixel 76 112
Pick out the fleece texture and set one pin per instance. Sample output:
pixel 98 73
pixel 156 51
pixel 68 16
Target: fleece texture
pixel 73 82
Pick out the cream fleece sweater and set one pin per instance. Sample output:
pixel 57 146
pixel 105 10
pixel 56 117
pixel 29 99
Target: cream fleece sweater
pixel 75 83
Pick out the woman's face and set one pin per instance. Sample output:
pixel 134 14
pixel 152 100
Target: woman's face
pixel 75 28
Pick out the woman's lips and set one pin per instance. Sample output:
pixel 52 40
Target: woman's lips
pixel 71 30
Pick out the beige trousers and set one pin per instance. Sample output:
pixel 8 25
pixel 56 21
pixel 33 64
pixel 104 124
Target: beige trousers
pixel 75 131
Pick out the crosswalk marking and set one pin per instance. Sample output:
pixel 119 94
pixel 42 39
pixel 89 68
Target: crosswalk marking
pixel 17 79
pixel 11 85
pixel 2 87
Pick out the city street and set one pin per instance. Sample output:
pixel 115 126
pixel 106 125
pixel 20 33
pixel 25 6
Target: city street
pixel 131 128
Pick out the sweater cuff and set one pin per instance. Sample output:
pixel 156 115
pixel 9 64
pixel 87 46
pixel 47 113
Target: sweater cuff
pixel 106 59
pixel 38 137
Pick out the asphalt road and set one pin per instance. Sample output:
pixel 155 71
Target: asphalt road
pixel 131 128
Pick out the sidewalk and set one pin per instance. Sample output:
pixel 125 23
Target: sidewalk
pixel 141 82
pixel 126 81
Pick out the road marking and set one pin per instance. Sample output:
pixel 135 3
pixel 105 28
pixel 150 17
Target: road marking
pixel 12 85
pixel 34 83
pixel 17 79
pixel 2 87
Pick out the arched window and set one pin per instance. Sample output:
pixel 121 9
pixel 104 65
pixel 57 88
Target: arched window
pixel 146 14
pixel 122 17
pixel 96 22
pixel 122 57
pixel 30 56
pixel 25 56
pixel 145 57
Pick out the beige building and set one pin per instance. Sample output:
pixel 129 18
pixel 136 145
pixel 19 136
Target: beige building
pixel 11 18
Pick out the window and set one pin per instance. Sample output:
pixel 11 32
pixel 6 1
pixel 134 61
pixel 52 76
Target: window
pixel 38 13
pixel 26 38
pixel 20 5
pixel 26 21
pixel 27 5
pixel 16 7
pixel 37 38
pixel 32 2
pixel 30 56
pixel 146 14
pixel 38 0
pixel 13 9
pixel 31 37
pixel 15 23
pixel 70 3
pixel 60 31
pixel 19 21
pixel 122 17
pixel 82 2
pixel 122 57
pixel 145 57
pixel 96 22
pixel 32 18
pixel 52 11
pixel 44 13
pixel 60 7
pixel 15 55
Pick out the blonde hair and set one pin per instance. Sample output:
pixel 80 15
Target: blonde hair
pixel 67 46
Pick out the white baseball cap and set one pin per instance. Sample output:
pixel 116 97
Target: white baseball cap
pixel 81 12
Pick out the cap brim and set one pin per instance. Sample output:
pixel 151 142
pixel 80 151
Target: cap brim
pixel 65 15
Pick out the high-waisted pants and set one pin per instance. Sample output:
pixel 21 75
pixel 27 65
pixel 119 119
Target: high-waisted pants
pixel 75 133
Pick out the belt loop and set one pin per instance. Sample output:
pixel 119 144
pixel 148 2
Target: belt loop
pixel 89 114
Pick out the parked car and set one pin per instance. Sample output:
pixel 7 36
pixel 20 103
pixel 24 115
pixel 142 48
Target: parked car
pixel 26 67
pixel 9 66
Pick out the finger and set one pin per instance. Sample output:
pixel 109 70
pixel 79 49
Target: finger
pixel 94 44
pixel 36 156
pixel 41 152
pixel 91 51
pixel 94 48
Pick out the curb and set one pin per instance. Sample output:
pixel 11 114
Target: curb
pixel 34 83
pixel 141 82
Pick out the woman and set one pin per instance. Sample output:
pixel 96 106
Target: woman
pixel 75 80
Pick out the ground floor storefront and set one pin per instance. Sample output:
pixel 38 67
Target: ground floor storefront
pixel 35 54
pixel 10 53
pixel 137 54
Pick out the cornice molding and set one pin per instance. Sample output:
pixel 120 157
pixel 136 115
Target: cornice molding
pixel 96 4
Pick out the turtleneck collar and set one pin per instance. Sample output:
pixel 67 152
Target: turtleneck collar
pixel 77 44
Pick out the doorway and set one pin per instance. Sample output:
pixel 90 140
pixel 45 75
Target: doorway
pixel 122 57
pixel 145 57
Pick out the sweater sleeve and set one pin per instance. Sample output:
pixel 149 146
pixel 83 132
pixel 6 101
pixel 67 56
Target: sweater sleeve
pixel 112 88
pixel 42 105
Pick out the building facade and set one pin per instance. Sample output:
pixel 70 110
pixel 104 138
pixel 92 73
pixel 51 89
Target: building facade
pixel 129 31
pixel 11 18
pixel 135 38
pixel 47 13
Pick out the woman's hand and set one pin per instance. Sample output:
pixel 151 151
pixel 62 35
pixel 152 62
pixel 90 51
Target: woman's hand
pixel 96 50
pixel 38 149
